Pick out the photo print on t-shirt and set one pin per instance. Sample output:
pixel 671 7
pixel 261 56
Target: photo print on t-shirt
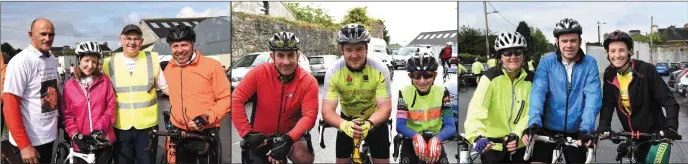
pixel 49 96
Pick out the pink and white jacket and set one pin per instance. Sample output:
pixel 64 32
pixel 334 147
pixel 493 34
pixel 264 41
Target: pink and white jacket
pixel 96 101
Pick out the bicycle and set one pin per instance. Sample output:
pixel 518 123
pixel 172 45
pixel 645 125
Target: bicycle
pixel 361 153
pixel 627 146
pixel 399 139
pixel 562 142
pixel 171 147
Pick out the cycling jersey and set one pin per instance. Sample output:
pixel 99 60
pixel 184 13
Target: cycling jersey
pixel 358 90
pixel 566 104
pixel 461 70
pixel 278 108
pixel 477 68
pixel 199 88
pixel 499 106
pixel 425 112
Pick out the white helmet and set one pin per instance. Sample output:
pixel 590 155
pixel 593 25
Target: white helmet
pixel 88 48
pixel 510 40
pixel 449 43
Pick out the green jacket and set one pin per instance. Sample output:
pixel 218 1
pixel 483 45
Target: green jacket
pixel 492 112
pixel 491 63
pixel 477 68
pixel 461 70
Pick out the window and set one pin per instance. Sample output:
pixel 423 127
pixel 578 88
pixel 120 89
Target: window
pixel 175 23
pixel 186 23
pixel 316 60
pixel 420 37
pixel 154 25
pixel 433 36
pixel 454 34
pixel 165 24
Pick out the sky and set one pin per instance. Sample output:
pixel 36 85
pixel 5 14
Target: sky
pixel 404 20
pixel 544 15
pixel 93 21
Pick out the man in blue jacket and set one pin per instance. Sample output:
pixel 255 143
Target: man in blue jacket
pixel 566 95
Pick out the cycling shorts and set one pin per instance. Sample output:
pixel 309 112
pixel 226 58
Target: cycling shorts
pixel 377 140
pixel 408 155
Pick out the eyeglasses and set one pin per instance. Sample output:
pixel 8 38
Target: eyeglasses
pixel 509 53
pixel 128 39
pixel 424 74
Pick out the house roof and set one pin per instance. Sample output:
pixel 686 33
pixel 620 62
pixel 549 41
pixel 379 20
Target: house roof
pixel 436 37
pixel 674 34
pixel 161 26
pixel 212 38
pixel 104 47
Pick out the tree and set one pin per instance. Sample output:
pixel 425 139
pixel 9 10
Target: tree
pixel 385 35
pixel 394 45
pixel 472 41
pixel 656 38
pixel 524 30
pixel 357 15
pixel 68 52
pixel 315 15
pixel 539 46
pixel 8 50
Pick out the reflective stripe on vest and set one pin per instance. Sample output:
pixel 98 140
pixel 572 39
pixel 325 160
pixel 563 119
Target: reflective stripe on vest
pixel 137 104
pixel 425 113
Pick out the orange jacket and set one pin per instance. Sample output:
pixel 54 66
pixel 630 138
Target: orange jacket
pixel 201 88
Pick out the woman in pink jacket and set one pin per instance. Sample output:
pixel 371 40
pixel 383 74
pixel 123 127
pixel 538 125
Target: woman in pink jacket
pixel 89 105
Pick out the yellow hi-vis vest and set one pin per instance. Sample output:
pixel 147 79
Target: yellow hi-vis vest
pixel 137 103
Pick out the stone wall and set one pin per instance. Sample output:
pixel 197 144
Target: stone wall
pixel 251 32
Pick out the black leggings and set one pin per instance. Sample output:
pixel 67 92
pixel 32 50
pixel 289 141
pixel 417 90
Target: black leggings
pixel 185 149
pixel 443 61
pixel 408 155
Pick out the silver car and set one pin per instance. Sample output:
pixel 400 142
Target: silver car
pixel 246 63
pixel 320 64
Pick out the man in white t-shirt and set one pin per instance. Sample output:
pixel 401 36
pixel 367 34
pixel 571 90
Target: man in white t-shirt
pixel 30 96
pixel 133 123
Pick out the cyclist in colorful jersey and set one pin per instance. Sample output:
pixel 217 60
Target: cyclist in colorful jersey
pixel 638 93
pixel 363 87
pixel 566 95
pixel 286 102
pixel 89 105
pixel 199 96
pixel 424 108
pixel 445 55
pixel 499 106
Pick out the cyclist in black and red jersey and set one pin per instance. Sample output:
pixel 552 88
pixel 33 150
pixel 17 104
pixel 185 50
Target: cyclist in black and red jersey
pixel 285 107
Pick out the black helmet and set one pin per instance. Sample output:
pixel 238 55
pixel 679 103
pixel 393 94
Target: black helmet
pixel 618 36
pixel 421 61
pixel 284 41
pixel 353 33
pixel 566 26
pixel 181 33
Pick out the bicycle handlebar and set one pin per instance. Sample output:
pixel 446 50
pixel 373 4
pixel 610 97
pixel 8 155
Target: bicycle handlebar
pixel 322 125
pixel 559 139
pixel 638 135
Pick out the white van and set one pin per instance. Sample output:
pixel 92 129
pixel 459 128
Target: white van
pixel 378 48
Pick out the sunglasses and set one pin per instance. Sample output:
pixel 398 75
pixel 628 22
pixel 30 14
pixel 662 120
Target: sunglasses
pixel 424 74
pixel 509 53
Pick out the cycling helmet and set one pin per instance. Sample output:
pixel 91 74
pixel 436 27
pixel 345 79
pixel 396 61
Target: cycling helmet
pixel 353 33
pixel 618 36
pixel 566 26
pixel 450 43
pixel 88 48
pixel 181 33
pixel 510 40
pixel 421 61
pixel 284 41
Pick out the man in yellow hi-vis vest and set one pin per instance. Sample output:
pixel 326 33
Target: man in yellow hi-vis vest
pixel 135 75
pixel 491 63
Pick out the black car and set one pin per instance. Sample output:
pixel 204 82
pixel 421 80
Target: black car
pixel 470 78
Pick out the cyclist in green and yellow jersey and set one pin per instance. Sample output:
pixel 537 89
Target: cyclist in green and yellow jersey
pixel 362 85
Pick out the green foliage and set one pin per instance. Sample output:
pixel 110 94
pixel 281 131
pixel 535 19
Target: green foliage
pixel 385 34
pixel 69 52
pixel 394 46
pixel 310 14
pixel 357 15
pixel 472 41
pixel 539 46
pixel 284 20
pixel 467 58
pixel 656 38
pixel 524 30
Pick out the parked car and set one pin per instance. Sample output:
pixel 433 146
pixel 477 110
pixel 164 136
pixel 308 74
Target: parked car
pixel 682 83
pixel 674 66
pixel 470 77
pixel 663 68
pixel 320 64
pixel 247 62
pixel 454 58
pixel 402 56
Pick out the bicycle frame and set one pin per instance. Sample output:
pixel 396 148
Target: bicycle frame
pixel 360 148
pixel 561 142
pixel 630 147
pixel 88 157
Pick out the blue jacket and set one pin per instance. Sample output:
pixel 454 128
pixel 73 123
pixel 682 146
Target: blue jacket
pixel 548 97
